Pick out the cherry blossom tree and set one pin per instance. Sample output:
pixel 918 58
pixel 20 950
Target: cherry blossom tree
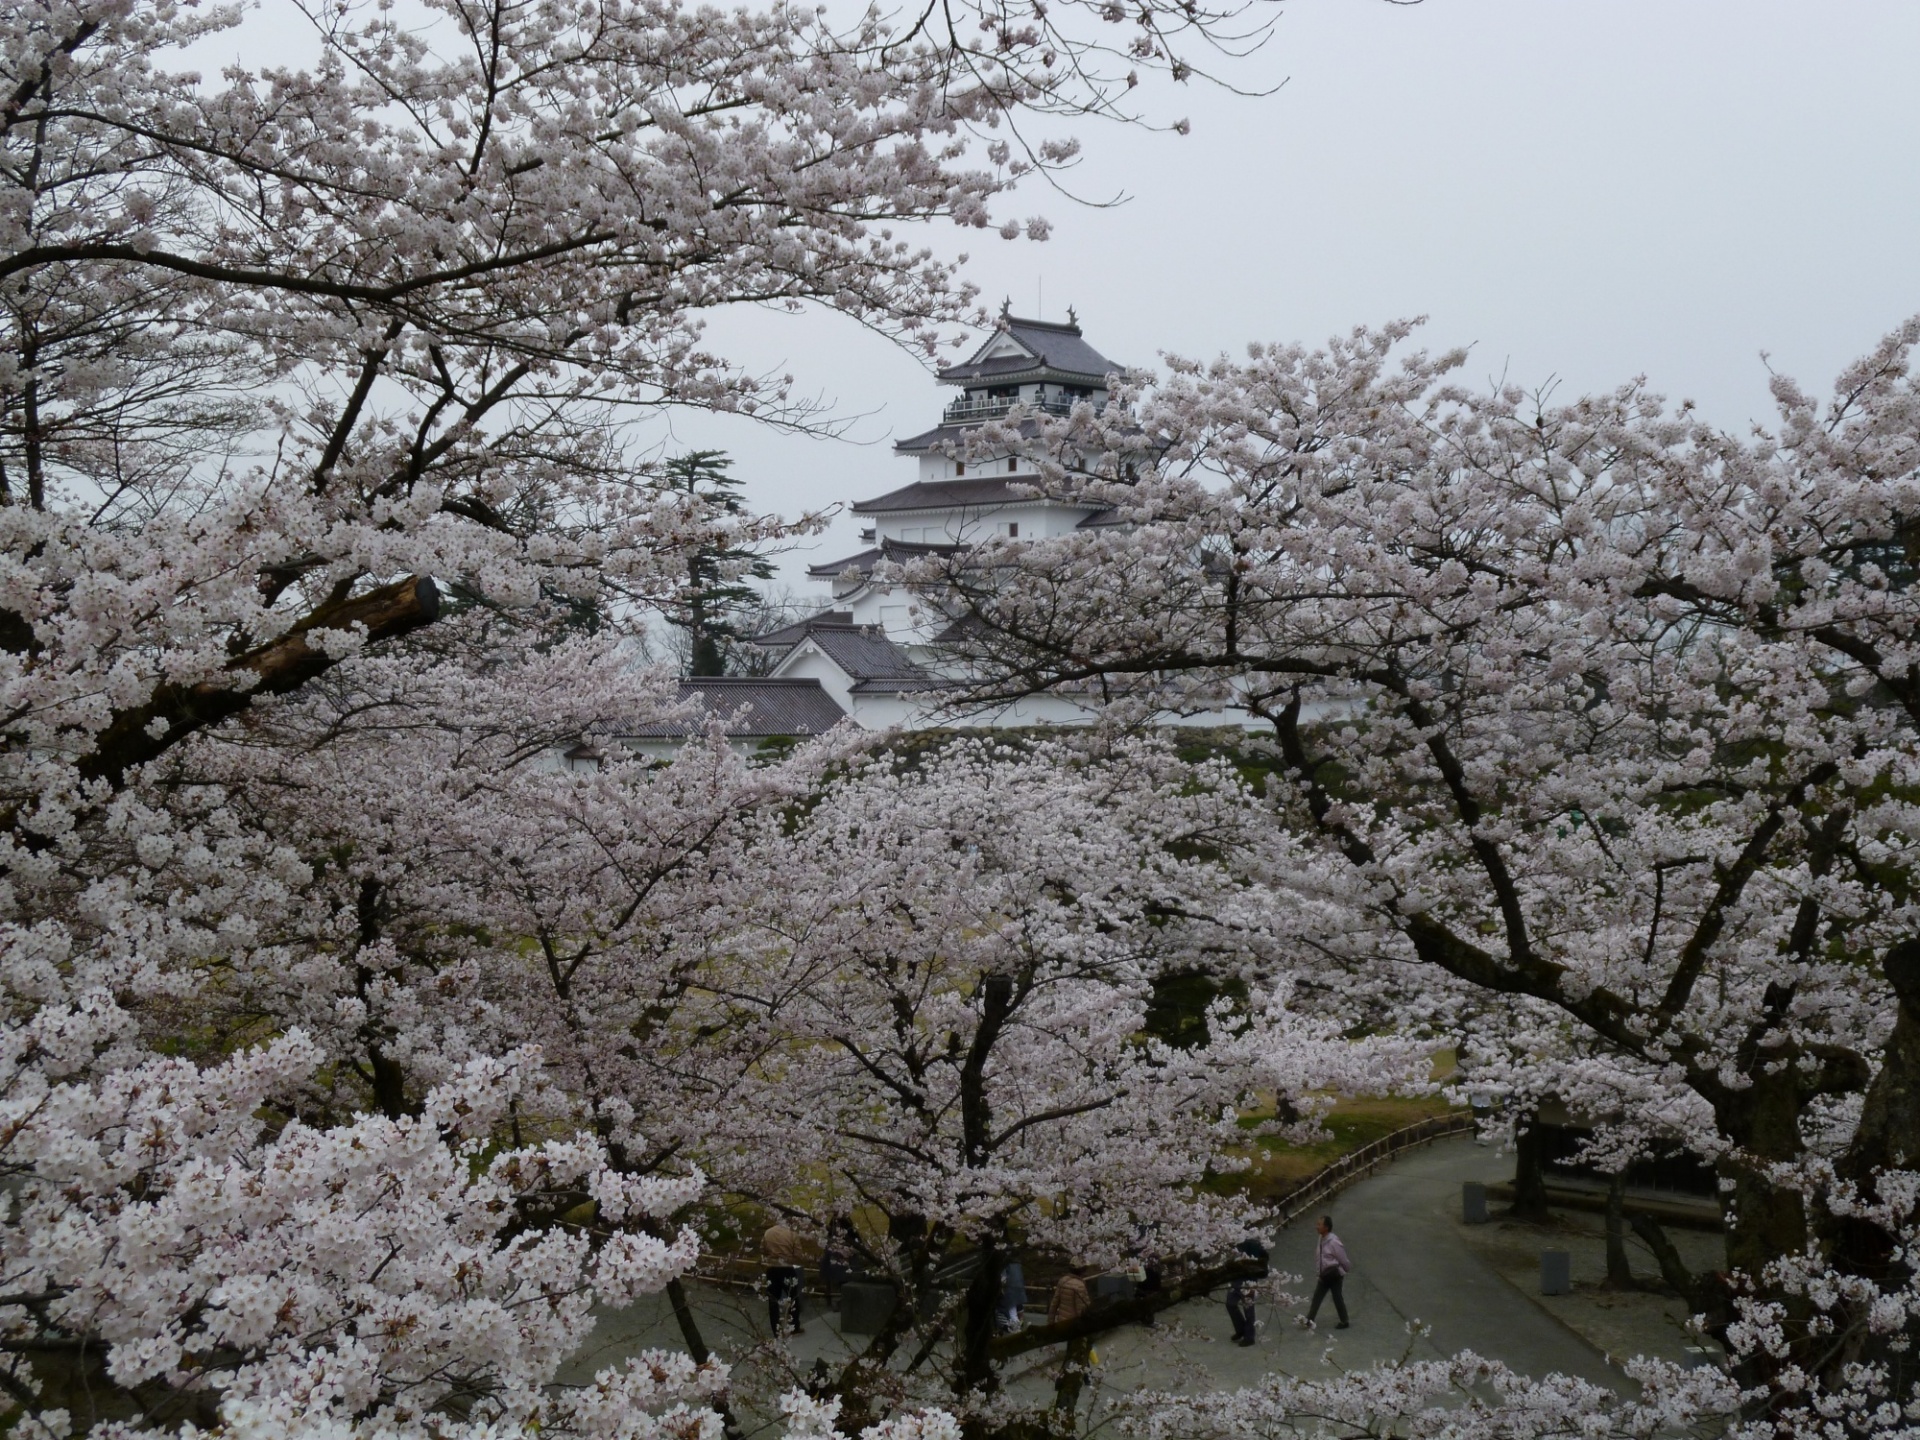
pixel 1465 1396
pixel 913 986
pixel 363 1269
pixel 316 391
pixel 1606 716
pixel 354 1050
pixel 951 957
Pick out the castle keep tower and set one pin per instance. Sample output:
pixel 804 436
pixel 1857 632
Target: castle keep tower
pixel 874 646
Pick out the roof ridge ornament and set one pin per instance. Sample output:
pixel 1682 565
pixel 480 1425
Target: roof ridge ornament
pixel 1006 312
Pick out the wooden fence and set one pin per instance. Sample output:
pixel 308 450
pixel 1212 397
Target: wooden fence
pixel 1367 1159
pixel 744 1271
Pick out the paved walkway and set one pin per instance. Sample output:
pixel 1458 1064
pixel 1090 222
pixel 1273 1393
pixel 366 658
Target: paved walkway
pixel 1413 1272
pixel 1421 1289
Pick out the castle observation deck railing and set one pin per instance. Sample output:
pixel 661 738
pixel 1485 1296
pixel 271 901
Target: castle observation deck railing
pixel 971 409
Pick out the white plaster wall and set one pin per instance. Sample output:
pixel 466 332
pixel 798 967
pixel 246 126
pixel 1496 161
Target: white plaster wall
pixel 883 712
pixel 1037 519
pixel 864 608
pixel 804 662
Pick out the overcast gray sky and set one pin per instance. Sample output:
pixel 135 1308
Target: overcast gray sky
pixel 1581 189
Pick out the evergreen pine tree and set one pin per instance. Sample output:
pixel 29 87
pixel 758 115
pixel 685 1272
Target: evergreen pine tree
pixel 718 592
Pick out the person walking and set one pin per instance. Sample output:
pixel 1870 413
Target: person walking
pixel 783 1253
pixel 1013 1296
pixel 1331 1263
pixel 1070 1299
pixel 1240 1295
pixel 1144 1270
pixel 836 1258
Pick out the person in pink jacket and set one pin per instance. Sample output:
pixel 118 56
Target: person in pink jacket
pixel 1331 1264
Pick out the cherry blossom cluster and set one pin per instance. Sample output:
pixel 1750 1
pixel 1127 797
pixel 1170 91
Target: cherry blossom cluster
pixel 365 1270
pixel 355 1047
pixel 344 1061
pixel 1468 1397
pixel 1602 719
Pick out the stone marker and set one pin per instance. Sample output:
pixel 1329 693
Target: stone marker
pixel 1473 1203
pixel 865 1306
pixel 1556 1272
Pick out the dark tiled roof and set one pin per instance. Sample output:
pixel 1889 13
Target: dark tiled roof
pixel 948 435
pixel 1101 518
pixel 866 560
pixel 773 708
pixel 951 494
pixel 1054 347
pixel 900 684
pixel 827 570
pixel 914 549
pixel 865 653
pixel 793 634
pixel 991 369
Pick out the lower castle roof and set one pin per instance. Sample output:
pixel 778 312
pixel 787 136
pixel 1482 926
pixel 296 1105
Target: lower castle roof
pixel 750 709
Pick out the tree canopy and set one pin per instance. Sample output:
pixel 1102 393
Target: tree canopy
pixel 1604 722
pixel 357 1051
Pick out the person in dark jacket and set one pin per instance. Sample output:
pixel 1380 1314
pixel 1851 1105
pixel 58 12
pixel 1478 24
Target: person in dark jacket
pixel 836 1258
pixel 1240 1295
pixel 1013 1296
pixel 784 1253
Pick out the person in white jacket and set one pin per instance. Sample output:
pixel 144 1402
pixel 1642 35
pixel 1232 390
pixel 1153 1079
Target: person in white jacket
pixel 1331 1265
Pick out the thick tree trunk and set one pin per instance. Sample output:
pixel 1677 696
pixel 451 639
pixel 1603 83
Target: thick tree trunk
pixel 279 667
pixel 688 1322
pixel 1706 1295
pixel 389 1086
pixel 697 1347
pixel 1619 1271
pixel 1529 1173
pixel 1888 1138
pixel 1764 1221
pixel 975 1372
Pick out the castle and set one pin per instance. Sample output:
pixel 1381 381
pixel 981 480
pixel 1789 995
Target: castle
pixel 873 656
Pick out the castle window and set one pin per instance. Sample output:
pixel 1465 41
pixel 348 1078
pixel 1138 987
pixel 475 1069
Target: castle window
pixel 959 467
pixel 1013 530
pixel 1012 464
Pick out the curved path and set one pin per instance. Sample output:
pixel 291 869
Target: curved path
pixel 1411 1269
